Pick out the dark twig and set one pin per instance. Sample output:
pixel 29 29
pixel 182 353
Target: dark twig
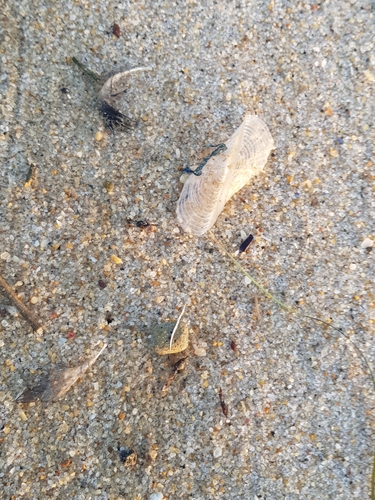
pixel 21 306
pixel 223 404
pixel 177 368
pixel 219 148
pixel 94 76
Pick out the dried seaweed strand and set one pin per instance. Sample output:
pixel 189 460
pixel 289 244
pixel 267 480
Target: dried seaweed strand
pixel 21 306
pixel 219 148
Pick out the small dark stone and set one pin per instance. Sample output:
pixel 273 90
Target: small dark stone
pixel 116 30
pixel 246 243
pixel 102 284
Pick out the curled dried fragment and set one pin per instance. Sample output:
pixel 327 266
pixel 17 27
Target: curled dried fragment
pixel 113 87
pixel 56 384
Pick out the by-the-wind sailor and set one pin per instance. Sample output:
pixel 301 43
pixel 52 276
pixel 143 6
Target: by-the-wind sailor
pixel 203 197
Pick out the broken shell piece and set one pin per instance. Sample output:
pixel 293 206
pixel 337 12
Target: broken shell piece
pixel 56 384
pixel 203 197
pixel 117 83
pixel 161 338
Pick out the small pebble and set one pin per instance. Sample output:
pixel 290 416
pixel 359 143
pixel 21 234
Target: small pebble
pixel 34 300
pixel 99 136
pixel 116 30
pixel 367 243
pixel 218 452
pixel 200 351
pixel 156 496
pixel 116 259
pixel 5 255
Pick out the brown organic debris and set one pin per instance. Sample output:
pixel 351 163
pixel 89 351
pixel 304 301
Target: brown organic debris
pixel 223 404
pixel 177 368
pixel 116 30
pixel 56 384
pixel 21 306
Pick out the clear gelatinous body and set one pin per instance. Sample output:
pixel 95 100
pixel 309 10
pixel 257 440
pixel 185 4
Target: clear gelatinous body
pixel 203 197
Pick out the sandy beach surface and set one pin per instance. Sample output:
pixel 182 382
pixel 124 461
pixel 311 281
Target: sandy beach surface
pixel 90 242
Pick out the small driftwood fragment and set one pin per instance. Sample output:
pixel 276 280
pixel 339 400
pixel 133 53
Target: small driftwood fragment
pixel 37 327
pixel 223 404
pixel 56 384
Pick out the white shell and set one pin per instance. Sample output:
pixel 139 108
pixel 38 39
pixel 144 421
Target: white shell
pixel 117 83
pixel 203 197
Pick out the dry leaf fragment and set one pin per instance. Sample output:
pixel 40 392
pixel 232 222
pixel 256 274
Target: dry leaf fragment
pixel 56 384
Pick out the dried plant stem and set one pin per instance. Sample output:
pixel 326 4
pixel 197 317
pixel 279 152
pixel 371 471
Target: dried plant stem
pixel 243 271
pixel 94 76
pixel 21 306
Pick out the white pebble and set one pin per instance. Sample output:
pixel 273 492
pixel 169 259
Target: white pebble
pixel 367 243
pixel 178 153
pixel 200 351
pixel 156 496
pixel 352 267
pixel 218 452
pixel 5 255
pixel 247 280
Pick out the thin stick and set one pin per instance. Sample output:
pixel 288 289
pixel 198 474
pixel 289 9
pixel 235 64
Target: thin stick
pixel 21 306
pixel 94 76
